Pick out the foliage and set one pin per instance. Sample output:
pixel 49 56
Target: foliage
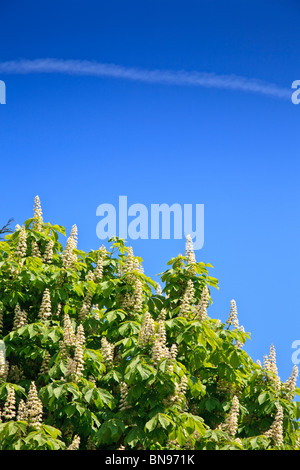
pixel 116 362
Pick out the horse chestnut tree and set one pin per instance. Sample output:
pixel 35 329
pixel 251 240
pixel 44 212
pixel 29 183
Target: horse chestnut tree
pixel 96 355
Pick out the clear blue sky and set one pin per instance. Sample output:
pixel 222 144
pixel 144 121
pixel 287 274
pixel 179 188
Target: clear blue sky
pixel 81 140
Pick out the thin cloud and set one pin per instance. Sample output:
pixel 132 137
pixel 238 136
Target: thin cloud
pixel 167 77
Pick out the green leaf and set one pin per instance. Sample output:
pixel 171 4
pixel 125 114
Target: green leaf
pixel 181 436
pixel 133 437
pixel 89 395
pixel 152 423
pixel 102 397
pixel 129 328
pixel 58 391
pixel 160 418
pixel 164 420
pixel 111 431
pixel 211 404
pixel 145 371
pixel 234 359
pixel 264 396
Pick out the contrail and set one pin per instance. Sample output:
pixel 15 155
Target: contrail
pixel 168 77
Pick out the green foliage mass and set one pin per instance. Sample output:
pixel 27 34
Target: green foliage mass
pixel 116 362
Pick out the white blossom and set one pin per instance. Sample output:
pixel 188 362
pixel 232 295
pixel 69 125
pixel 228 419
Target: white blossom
pixel 22 243
pixel 35 251
pixel 48 254
pixel 107 350
pixel 45 308
pixel 231 422
pixel 20 318
pixel 75 443
pixel 269 365
pixel 69 257
pixel 147 331
pixel 9 410
pixel 201 308
pixel 3 365
pixel 86 306
pixel 275 432
pixel 68 332
pixel 159 348
pixel 189 250
pixel 98 273
pixel 290 384
pixel 123 398
pixel 22 411
pixel 233 315
pixel 37 215
pixel 34 407
pixel 188 299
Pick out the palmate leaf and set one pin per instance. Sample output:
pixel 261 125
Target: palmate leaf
pixel 159 420
pixel 134 436
pixel 110 431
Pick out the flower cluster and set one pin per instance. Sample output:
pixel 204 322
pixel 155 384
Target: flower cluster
pixel 173 351
pixel 75 443
pixel 20 318
pixel 75 362
pixel 35 251
pixel 123 397
pixel 179 394
pixel 107 350
pixel 86 305
pixel 37 215
pixel 48 254
pixel 189 250
pixel 69 258
pixel 160 349
pixel 22 243
pixel 68 333
pixel 201 308
pixel 158 289
pixel 98 273
pixel 72 348
pixel 290 384
pixel 135 300
pixel 45 308
pixel 129 261
pixel 9 410
pixel 188 299
pixel 162 315
pixel 233 320
pixel 130 264
pixel 230 424
pixel 233 315
pixel 275 432
pixel 269 365
pixel 147 331
pixel 32 410
pixel 3 365
pixel 239 344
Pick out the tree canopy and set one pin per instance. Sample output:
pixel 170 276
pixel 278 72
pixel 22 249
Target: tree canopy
pixel 94 354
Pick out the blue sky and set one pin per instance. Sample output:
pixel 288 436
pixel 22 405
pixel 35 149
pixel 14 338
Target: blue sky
pixel 80 140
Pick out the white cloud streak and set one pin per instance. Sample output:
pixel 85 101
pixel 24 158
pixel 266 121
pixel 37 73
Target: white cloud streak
pixel 165 77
